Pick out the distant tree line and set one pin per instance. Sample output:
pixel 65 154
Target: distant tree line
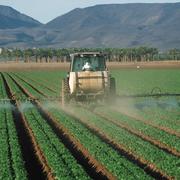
pixel 112 54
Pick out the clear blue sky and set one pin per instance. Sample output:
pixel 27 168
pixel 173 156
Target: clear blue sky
pixel 46 10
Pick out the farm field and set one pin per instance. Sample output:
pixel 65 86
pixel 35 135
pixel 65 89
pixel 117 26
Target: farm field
pixel 135 137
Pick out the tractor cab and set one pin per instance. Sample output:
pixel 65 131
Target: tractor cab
pixel 88 62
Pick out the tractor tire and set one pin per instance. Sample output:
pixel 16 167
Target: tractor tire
pixel 65 93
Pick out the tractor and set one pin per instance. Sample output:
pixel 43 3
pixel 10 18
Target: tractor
pixel 88 79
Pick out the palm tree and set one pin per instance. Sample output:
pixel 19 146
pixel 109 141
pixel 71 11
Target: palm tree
pixel 28 53
pixel 17 53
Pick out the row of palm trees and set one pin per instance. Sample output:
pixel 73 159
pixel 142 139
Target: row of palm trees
pixel 112 54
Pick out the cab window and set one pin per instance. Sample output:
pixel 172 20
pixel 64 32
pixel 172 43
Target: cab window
pixel 97 63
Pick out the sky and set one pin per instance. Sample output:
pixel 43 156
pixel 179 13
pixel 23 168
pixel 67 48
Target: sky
pixel 46 10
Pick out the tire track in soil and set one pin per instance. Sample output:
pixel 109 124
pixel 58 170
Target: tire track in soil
pixel 93 167
pixel 35 162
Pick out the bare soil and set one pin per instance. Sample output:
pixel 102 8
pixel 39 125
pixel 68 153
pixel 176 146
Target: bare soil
pixel 139 65
pixel 21 66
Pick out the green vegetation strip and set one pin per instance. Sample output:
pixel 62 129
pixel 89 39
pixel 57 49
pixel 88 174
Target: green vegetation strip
pixel 30 88
pixel 164 161
pixel 148 122
pixel 97 170
pixel 57 156
pixel 49 78
pixel 63 164
pixel 156 134
pixel 142 81
pixel 103 152
pixel 36 86
pixel 33 87
pixel 162 117
pixel 11 161
pixel 32 152
pixel 39 83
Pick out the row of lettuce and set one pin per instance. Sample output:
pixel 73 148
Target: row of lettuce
pixel 11 159
pixel 110 158
pixel 59 159
pixel 163 160
pixel 55 151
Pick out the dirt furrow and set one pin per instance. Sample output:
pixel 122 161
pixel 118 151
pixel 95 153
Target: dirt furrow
pixel 35 161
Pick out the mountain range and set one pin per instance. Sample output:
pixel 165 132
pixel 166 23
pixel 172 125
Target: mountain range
pixel 112 25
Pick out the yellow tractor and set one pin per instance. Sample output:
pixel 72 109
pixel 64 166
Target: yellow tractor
pixel 88 79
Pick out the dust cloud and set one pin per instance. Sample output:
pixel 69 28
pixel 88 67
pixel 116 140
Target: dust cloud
pixel 125 105
pixel 6 105
pixel 130 106
pixel 25 106
pixel 134 105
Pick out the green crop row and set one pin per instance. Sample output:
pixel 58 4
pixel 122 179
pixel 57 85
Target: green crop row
pixel 160 112
pixel 43 89
pixel 5 161
pixel 49 78
pixel 30 89
pixel 11 160
pixel 155 133
pixel 129 82
pixel 63 164
pixel 125 165
pixel 164 161
pixel 110 158
pixel 2 95
pixel 40 82
pixel 58 157
pixel 14 88
pixel 162 117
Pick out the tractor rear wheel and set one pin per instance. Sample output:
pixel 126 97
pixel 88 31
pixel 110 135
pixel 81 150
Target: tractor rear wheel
pixel 65 92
